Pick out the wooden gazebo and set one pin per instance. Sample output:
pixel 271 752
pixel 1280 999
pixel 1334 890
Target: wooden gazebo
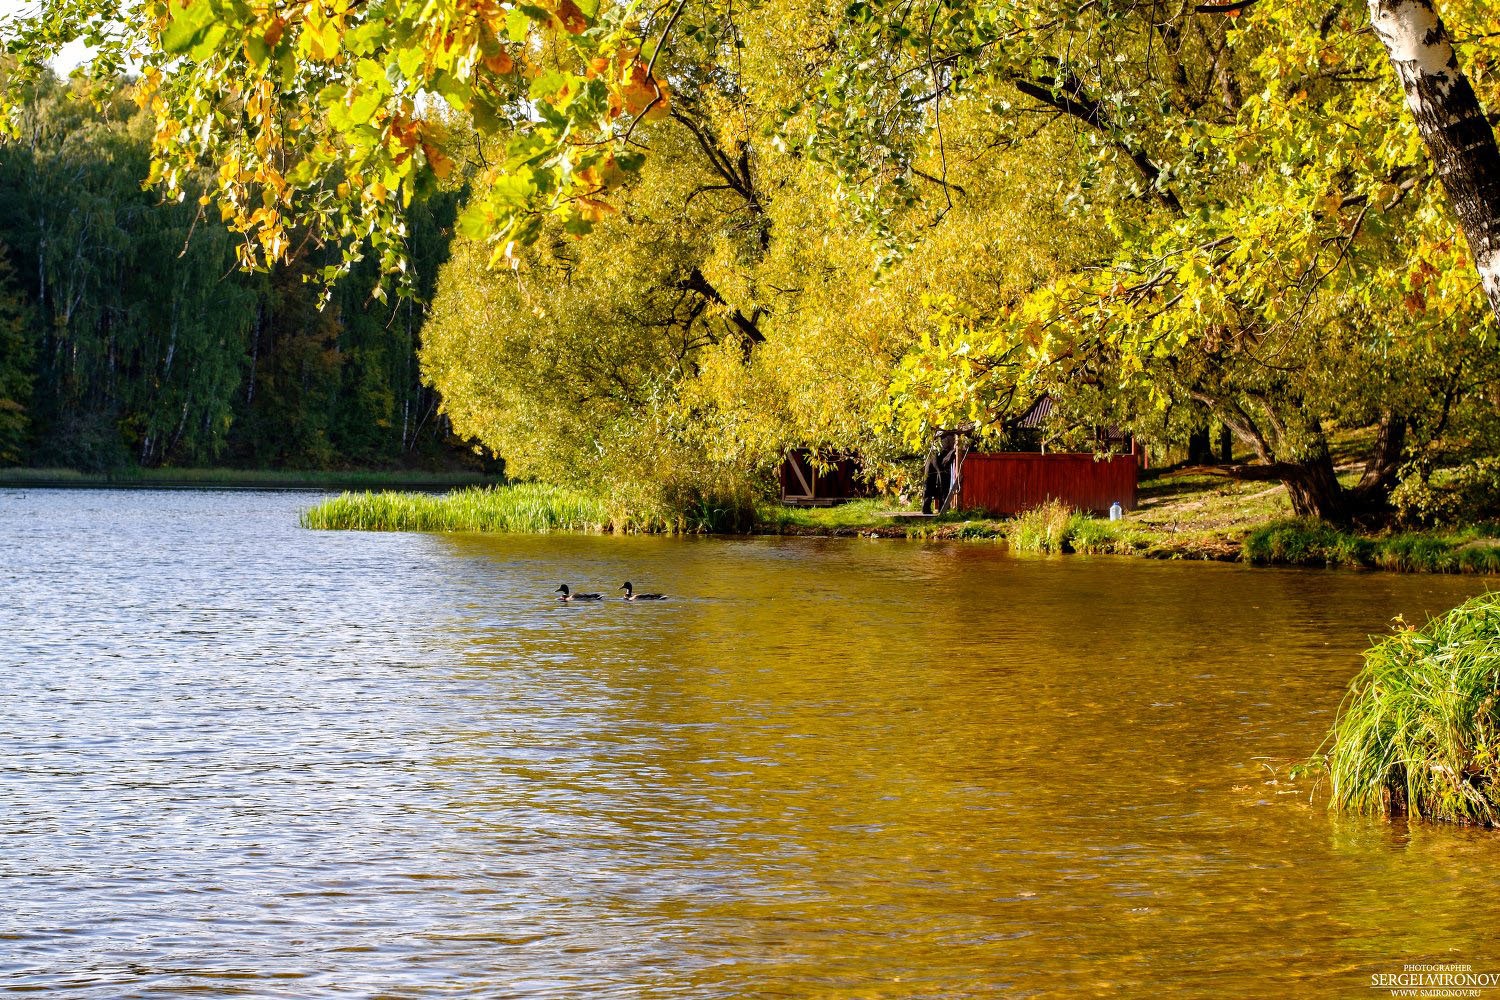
pixel 802 484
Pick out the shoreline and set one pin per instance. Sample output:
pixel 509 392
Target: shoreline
pixel 1285 542
pixel 1266 539
pixel 1224 550
pixel 1177 520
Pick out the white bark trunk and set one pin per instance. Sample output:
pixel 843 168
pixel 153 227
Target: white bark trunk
pixel 1452 124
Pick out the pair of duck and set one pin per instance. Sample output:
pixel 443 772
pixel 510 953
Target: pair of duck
pixel 630 594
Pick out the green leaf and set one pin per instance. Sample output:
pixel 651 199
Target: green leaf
pixel 364 107
pixel 409 60
pixel 550 82
pixel 472 223
pixel 514 190
pixel 371 72
pixel 208 41
pixel 187 25
pixel 256 49
pixel 517 25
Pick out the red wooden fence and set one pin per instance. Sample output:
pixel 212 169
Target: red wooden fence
pixel 1010 482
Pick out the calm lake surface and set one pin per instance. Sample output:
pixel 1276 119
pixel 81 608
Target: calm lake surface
pixel 240 758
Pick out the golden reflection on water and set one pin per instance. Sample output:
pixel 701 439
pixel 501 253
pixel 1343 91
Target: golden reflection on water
pixel 878 769
pixel 242 758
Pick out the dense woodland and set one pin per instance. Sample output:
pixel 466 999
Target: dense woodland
pixel 129 335
pixel 691 236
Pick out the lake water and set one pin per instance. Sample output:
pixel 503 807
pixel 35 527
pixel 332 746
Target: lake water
pixel 240 758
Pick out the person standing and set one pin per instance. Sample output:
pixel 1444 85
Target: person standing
pixel 940 474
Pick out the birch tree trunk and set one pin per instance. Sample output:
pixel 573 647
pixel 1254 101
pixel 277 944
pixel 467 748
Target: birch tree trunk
pixel 1458 136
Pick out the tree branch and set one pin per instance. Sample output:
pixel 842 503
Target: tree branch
pixel 747 325
pixel 1070 98
pixel 938 180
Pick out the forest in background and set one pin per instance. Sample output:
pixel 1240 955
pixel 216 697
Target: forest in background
pixel 129 336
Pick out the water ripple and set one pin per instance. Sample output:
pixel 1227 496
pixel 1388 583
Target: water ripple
pixel 242 759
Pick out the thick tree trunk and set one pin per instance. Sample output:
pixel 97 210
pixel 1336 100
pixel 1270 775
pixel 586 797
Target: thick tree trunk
pixel 1459 138
pixel 1312 482
pixel 1314 488
pixel 1200 446
pixel 1383 468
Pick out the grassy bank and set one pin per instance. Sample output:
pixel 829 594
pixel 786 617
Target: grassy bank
pixel 1284 542
pixel 1417 734
pixel 516 507
pixel 1053 528
pixel 262 479
pixel 1050 529
pixel 1177 517
pixel 521 507
pixel 1472 549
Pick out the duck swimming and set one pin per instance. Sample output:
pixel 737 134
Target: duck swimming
pixel 631 595
pixel 568 596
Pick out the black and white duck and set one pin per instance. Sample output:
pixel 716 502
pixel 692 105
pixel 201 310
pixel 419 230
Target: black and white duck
pixel 569 596
pixel 631 595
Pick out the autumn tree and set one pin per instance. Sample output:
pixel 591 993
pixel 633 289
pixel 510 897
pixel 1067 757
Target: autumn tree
pixel 637 362
pixel 1296 272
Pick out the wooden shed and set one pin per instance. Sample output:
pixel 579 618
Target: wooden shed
pixel 1007 483
pixel 802 483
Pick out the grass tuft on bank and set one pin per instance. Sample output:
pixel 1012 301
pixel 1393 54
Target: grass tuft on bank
pixel 518 507
pixel 1055 527
pixel 522 507
pixel 1300 542
pixel 852 514
pixel 1417 733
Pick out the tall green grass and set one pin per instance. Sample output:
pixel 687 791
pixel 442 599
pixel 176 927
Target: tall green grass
pixel 518 507
pixel 1096 536
pixel 1306 542
pixel 523 507
pixel 1056 527
pixel 1048 528
pixel 1417 732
